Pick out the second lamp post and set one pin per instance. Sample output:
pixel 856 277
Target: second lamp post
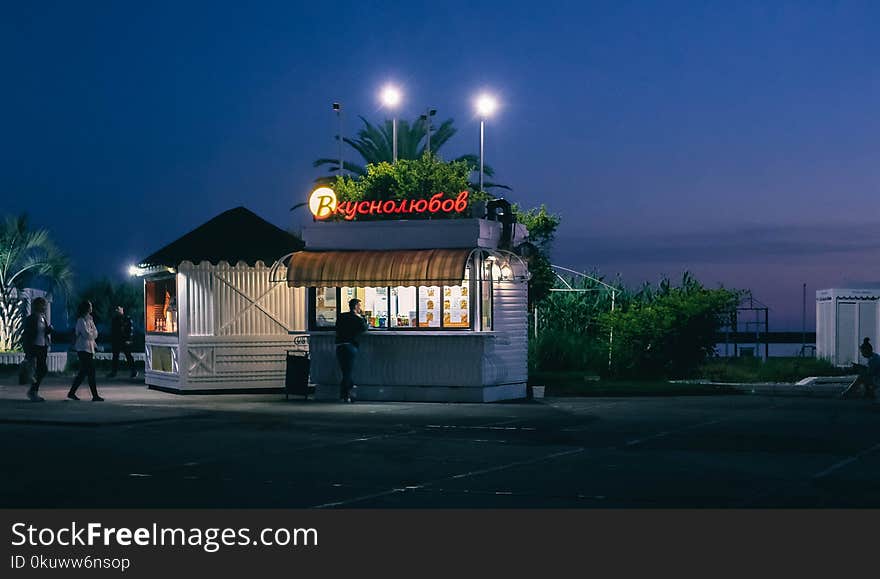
pixel 391 98
pixel 486 105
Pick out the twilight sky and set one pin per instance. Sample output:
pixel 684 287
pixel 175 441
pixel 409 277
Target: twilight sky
pixel 740 140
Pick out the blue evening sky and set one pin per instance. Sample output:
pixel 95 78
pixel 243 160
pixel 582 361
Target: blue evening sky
pixel 739 140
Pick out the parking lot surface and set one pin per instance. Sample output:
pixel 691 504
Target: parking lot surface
pixel 142 448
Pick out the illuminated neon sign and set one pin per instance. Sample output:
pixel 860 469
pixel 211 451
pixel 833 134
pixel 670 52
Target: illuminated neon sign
pixel 323 204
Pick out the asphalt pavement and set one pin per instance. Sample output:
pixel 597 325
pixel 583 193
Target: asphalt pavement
pixel 777 447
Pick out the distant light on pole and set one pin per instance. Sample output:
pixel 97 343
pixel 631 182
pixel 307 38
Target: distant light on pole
pixel 486 106
pixel 338 108
pixel 391 97
pixel 426 118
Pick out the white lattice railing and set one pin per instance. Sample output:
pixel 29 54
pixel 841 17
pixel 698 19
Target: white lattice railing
pixel 56 361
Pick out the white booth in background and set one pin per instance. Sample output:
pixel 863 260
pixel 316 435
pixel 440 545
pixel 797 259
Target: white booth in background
pixel 214 321
pixel 844 317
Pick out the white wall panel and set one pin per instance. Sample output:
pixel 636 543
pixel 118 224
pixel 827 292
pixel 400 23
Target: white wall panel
pixel 197 282
pixel 236 362
pixel 825 331
pixel 239 300
pixel 506 357
pixel 846 331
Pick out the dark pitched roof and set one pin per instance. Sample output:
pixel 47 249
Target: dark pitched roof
pixel 233 236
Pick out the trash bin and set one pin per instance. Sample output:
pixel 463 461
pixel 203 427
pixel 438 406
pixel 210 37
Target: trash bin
pixel 296 379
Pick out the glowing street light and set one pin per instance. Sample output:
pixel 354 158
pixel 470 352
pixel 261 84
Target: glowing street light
pixel 391 97
pixel 486 106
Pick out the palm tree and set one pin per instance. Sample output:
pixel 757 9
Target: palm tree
pixel 25 256
pixel 374 144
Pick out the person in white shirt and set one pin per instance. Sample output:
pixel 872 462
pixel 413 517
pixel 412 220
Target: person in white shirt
pixel 85 346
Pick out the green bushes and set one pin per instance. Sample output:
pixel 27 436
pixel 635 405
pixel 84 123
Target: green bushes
pixel 565 351
pixel 668 332
pixel 659 332
pixel 571 334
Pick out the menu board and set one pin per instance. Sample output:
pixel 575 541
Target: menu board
pixel 455 306
pixel 429 306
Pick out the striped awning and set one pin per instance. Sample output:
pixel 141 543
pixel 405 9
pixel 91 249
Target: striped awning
pixel 377 268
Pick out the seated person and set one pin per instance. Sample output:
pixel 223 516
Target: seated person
pixel 869 375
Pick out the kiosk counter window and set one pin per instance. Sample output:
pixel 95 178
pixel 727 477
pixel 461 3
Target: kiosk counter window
pixel 401 307
pixel 404 289
pixel 161 305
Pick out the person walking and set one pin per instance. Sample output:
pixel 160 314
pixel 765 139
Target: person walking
pixel 349 326
pixel 85 346
pixel 36 339
pixel 869 374
pixel 121 337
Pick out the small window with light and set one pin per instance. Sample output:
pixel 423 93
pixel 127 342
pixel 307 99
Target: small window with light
pixel 160 309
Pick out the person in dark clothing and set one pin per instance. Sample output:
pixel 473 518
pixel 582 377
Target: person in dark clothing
pixel 869 374
pixel 36 340
pixel 121 337
pixel 349 326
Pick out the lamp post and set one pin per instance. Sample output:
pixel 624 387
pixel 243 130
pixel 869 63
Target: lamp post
pixel 338 108
pixel 486 105
pixel 391 98
pixel 426 118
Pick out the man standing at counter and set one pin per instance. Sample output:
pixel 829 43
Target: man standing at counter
pixel 349 326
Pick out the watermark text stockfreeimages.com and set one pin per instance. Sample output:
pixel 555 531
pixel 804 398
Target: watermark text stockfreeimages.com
pixel 210 539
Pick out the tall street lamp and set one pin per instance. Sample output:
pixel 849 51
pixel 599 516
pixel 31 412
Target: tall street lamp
pixel 426 118
pixel 391 98
pixel 486 105
pixel 338 108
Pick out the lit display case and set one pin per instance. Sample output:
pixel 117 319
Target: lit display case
pixel 160 310
pixel 401 307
